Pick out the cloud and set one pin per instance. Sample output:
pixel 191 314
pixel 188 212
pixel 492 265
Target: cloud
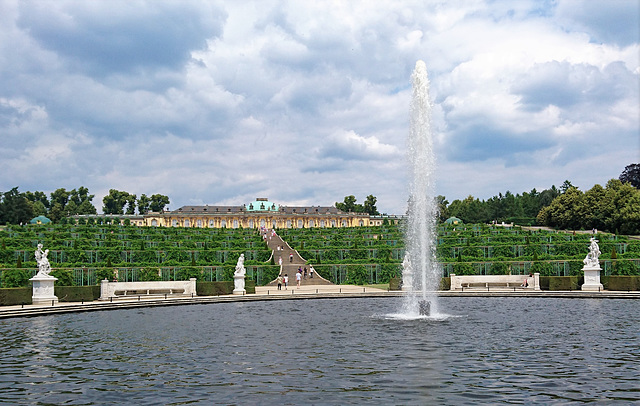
pixel 121 36
pixel 349 145
pixel 307 102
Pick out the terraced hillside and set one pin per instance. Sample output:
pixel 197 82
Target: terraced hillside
pixel 85 254
pixel 373 255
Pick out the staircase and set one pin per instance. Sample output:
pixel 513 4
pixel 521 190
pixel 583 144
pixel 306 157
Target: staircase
pixel 291 261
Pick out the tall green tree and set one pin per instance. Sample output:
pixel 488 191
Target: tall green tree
pixel 158 203
pixel 15 208
pixel 114 202
pixel 631 174
pixel 143 204
pixel 370 205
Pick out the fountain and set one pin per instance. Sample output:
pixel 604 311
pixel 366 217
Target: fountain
pixel 421 274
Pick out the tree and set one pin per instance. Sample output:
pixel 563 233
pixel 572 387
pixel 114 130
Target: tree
pixel 158 203
pixel 131 204
pixel 114 202
pixel 348 205
pixel 60 196
pixel 143 204
pixel 82 201
pixel 15 208
pixel 566 185
pixel 370 205
pixel 631 174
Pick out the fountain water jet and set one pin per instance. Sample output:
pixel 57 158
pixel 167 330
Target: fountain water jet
pixel 421 270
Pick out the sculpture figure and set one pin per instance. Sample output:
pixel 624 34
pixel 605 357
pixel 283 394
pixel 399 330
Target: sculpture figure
pixel 407 272
pixel 591 260
pixel 238 276
pixel 43 262
pixel 240 270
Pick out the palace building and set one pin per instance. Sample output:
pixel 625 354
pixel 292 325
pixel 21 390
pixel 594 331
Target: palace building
pixel 259 213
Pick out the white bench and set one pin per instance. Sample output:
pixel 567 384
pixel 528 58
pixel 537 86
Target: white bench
pixel 461 282
pixel 110 290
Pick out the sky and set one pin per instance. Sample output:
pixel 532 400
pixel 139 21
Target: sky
pixel 306 102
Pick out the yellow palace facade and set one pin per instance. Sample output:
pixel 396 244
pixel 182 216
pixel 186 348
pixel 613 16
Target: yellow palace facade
pixel 257 214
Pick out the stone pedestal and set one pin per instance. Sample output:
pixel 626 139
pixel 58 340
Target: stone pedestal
pixel 238 283
pixel 592 279
pixel 43 293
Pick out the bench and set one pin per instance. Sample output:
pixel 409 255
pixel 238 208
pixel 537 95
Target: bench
pixel 486 282
pixel 109 290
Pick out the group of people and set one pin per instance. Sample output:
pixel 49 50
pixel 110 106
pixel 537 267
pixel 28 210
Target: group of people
pixel 302 273
pixel 282 279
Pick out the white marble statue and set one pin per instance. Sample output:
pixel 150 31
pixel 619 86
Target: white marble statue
pixel 238 276
pixel 43 262
pixel 407 272
pixel 591 260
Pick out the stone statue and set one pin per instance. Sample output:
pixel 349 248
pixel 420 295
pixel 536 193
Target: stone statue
pixel 591 260
pixel 407 272
pixel 240 270
pixel 43 262
pixel 238 276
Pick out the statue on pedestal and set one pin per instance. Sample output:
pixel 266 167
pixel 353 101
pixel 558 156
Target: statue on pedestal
pixel 238 276
pixel 43 283
pixel 591 268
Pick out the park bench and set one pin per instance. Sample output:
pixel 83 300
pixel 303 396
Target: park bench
pixel 110 290
pixel 486 282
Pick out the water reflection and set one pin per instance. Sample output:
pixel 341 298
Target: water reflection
pixel 344 351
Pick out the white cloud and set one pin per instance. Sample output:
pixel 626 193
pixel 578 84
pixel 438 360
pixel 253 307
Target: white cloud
pixel 309 101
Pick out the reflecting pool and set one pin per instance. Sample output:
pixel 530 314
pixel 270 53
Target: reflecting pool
pixel 328 351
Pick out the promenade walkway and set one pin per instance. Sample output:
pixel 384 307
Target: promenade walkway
pixel 291 262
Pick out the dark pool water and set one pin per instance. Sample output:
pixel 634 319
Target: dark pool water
pixel 331 351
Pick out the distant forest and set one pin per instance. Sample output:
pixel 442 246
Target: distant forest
pixel 614 208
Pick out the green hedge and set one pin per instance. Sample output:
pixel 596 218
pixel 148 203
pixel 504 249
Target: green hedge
pixel 621 283
pixel 565 282
pixel 222 288
pixel 15 296
pixel 77 293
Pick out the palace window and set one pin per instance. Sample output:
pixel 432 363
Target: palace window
pixel 187 223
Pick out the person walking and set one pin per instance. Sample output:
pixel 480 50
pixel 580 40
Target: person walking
pixel 279 280
pixel 286 281
pixel 290 257
pixel 311 270
pixel 298 278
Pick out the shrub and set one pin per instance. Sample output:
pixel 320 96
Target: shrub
pixel 149 274
pixel 358 275
pixel 564 282
pixel 623 283
pixel 65 277
pixel 15 278
pixel 105 273
pixel 499 268
pixel 624 267
pixel 15 296
pixel 77 293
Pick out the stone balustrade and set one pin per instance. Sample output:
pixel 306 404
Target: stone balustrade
pixel 461 282
pixel 119 289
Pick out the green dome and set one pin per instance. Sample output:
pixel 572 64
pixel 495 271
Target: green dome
pixel 40 220
pixel 454 221
pixel 262 204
